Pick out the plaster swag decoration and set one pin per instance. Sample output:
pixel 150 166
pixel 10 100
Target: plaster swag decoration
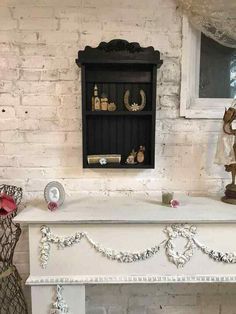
pixel 62 242
pixel 59 306
pixel 187 232
pixel 173 232
pixel 215 18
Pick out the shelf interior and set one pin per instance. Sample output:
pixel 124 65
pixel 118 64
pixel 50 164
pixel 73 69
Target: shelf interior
pixel 120 131
pixel 116 91
pixel 113 73
pixel 118 135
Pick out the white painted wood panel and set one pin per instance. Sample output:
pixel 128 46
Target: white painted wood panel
pixel 82 260
pixel 43 297
pixel 133 209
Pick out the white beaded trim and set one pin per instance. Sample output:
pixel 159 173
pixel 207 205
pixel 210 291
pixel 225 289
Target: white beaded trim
pixel 75 280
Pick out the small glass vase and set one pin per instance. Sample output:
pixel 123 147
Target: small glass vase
pixel 167 197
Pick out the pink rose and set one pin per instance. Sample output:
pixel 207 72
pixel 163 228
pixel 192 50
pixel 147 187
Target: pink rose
pixel 52 206
pixel 174 203
pixel 7 204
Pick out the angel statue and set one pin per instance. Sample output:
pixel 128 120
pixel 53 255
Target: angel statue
pixel 226 151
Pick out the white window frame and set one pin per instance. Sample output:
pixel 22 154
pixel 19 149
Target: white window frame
pixel 191 106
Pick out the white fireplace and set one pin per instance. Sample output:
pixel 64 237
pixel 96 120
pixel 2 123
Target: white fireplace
pixel 104 240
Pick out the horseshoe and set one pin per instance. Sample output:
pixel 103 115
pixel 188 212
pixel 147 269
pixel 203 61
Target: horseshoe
pixel 134 106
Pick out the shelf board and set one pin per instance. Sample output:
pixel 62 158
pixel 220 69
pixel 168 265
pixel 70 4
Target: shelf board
pixel 118 113
pixel 119 166
pixel 103 80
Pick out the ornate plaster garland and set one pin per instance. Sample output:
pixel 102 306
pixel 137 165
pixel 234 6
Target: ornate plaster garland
pixel 62 242
pixel 59 306
pixel 173 232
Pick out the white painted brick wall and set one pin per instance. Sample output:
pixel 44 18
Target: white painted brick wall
pixel 40 126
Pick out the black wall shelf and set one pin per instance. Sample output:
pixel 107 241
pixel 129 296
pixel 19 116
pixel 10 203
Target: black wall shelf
pixel 115 67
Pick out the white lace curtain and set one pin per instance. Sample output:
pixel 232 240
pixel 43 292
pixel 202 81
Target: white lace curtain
pixel 214 18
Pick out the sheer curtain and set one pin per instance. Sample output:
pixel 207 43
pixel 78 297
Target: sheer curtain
pixel 214 18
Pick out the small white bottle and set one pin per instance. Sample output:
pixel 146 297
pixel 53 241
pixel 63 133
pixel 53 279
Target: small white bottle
pixel 96 103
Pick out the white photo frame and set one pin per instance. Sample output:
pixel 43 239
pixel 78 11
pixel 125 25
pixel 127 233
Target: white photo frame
pixel 54 192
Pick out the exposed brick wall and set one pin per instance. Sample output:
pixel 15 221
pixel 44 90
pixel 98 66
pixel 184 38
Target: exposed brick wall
pixel 40 119
pixel 162 299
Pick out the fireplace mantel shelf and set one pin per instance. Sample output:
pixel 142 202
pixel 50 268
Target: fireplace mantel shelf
pixel 133 210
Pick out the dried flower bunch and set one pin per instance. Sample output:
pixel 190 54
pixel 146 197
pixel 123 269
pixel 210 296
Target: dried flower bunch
pixel 7 204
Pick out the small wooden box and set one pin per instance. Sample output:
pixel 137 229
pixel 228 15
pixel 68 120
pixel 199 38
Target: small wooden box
pixel 109 158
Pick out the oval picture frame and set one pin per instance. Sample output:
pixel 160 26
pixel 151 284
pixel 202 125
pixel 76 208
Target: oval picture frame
pixel 54 192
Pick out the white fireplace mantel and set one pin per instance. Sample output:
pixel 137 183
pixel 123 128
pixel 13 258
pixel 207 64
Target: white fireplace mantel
pixel 133 239
pixel 132 209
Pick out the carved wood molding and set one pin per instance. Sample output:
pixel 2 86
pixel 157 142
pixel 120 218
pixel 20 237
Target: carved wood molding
pixel 120 45
pixel 118 50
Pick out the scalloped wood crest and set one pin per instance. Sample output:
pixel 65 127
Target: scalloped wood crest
pixel 119 51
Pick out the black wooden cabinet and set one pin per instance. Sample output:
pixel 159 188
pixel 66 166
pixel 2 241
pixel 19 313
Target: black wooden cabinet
pixel 116 67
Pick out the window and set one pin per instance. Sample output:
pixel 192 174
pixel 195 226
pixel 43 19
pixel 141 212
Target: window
pixel 208 75
pixel 217 70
